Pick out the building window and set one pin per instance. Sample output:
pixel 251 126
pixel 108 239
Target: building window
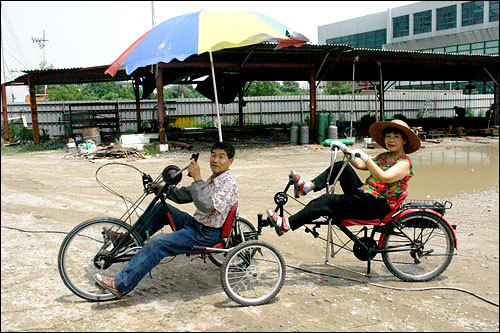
pixel 446 17
pixel 491 47
pixel 472 13
pixel 422 22
pixel 371 40
pixel 493 11
pixel 401 26
pixel 450 49
pixel 465 48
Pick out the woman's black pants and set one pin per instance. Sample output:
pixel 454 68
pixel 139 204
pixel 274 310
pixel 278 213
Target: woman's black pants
pixel 352 204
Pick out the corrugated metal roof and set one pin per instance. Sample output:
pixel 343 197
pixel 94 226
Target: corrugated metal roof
pixel 331 62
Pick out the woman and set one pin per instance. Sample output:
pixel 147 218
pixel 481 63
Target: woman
pixel 373 199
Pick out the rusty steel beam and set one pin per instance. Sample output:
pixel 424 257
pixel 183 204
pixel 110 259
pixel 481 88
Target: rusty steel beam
pixel 34 112
pixel 161 106
pixel 4 113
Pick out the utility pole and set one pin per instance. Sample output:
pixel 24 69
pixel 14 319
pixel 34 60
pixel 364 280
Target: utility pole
pixel 41 44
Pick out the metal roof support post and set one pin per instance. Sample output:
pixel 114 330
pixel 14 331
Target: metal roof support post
pixel 34 112
pixel 4 113
pixel 312 100
pixel 161 106
pixel 241 104
pixel 382 110
pixel 135 84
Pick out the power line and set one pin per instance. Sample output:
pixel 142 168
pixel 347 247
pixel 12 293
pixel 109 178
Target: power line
pixel 41 44
pixel 17 46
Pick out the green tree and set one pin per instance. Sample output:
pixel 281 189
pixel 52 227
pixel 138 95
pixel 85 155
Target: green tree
pixel 338 87
pixel 292 88
pixel 178 91
pixel 264 88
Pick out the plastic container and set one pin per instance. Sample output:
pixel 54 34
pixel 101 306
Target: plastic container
pixel 366 142
pixel 71 147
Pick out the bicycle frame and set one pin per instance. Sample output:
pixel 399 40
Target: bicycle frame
pixel 160 195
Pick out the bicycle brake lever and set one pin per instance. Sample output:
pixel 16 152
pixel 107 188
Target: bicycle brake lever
pixel 194 157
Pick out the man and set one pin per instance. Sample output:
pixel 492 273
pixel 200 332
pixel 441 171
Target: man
pixel 212 198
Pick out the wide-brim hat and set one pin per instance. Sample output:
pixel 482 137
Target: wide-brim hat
pixel 377 130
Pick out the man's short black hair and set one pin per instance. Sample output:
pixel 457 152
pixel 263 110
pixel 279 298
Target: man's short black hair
pixel 226 146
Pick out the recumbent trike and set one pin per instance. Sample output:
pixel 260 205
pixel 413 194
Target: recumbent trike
pixel 252 272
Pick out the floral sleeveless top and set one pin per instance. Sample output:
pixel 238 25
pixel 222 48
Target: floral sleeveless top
pixel 383 190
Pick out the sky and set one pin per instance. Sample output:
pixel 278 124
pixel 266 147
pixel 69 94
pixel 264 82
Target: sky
pixel 95 33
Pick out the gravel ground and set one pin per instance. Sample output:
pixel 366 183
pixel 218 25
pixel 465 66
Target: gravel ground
pixel 54 191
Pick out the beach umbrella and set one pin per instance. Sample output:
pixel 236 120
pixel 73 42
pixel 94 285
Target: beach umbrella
pixel 200 32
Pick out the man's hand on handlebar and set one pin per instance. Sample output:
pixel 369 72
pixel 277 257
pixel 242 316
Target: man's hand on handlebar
pixel 194 170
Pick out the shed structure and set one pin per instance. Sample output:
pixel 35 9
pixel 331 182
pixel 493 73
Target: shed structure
pixel 312 63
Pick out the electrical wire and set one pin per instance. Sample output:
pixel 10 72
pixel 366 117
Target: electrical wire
pixel 394 288
pixel 36 231
pixel 316 273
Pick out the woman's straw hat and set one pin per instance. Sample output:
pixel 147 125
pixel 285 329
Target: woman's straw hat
pixel 377 129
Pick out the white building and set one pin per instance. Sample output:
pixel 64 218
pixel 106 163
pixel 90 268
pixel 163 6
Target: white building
pixel 429 26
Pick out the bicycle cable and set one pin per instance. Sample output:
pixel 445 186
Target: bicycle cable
pixel 125 199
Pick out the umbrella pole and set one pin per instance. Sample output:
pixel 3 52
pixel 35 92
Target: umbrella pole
pixel 216 98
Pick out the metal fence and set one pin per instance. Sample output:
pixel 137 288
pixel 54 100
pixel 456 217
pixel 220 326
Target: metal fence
pixel 53 117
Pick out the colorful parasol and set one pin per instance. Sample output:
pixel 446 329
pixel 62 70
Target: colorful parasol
pixel 203 31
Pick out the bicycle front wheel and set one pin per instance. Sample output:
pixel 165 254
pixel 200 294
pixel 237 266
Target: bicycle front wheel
pixel 420 249
pixel 253 273
pixel 86 251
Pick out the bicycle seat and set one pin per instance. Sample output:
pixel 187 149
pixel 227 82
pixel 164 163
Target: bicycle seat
pixel 226 228
pixel 350 222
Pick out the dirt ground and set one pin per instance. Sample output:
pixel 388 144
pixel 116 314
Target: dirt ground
pixel 55 191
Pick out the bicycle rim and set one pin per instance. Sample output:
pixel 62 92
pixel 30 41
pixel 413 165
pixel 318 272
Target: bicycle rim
pixel 253 273
pixel 423 248
pixel 245 227
pixel 78 258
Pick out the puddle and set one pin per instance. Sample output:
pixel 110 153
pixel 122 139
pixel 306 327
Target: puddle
pixel 446 172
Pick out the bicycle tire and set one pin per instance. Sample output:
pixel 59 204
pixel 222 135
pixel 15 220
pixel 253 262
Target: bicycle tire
pixel 435 242
pixel 347 132
pixel 246 226
pixel 253 273
pixel 78 258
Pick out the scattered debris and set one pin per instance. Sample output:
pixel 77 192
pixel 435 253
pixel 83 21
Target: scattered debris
pixel 112 152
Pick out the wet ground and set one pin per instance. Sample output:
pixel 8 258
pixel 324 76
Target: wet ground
pixel 55 191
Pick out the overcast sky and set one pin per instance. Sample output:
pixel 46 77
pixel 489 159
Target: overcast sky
pixel 94 33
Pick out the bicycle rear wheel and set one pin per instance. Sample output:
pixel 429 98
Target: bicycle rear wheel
pixel 421 249
pixel 253 273
pixel 245 227
pixel 85 251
